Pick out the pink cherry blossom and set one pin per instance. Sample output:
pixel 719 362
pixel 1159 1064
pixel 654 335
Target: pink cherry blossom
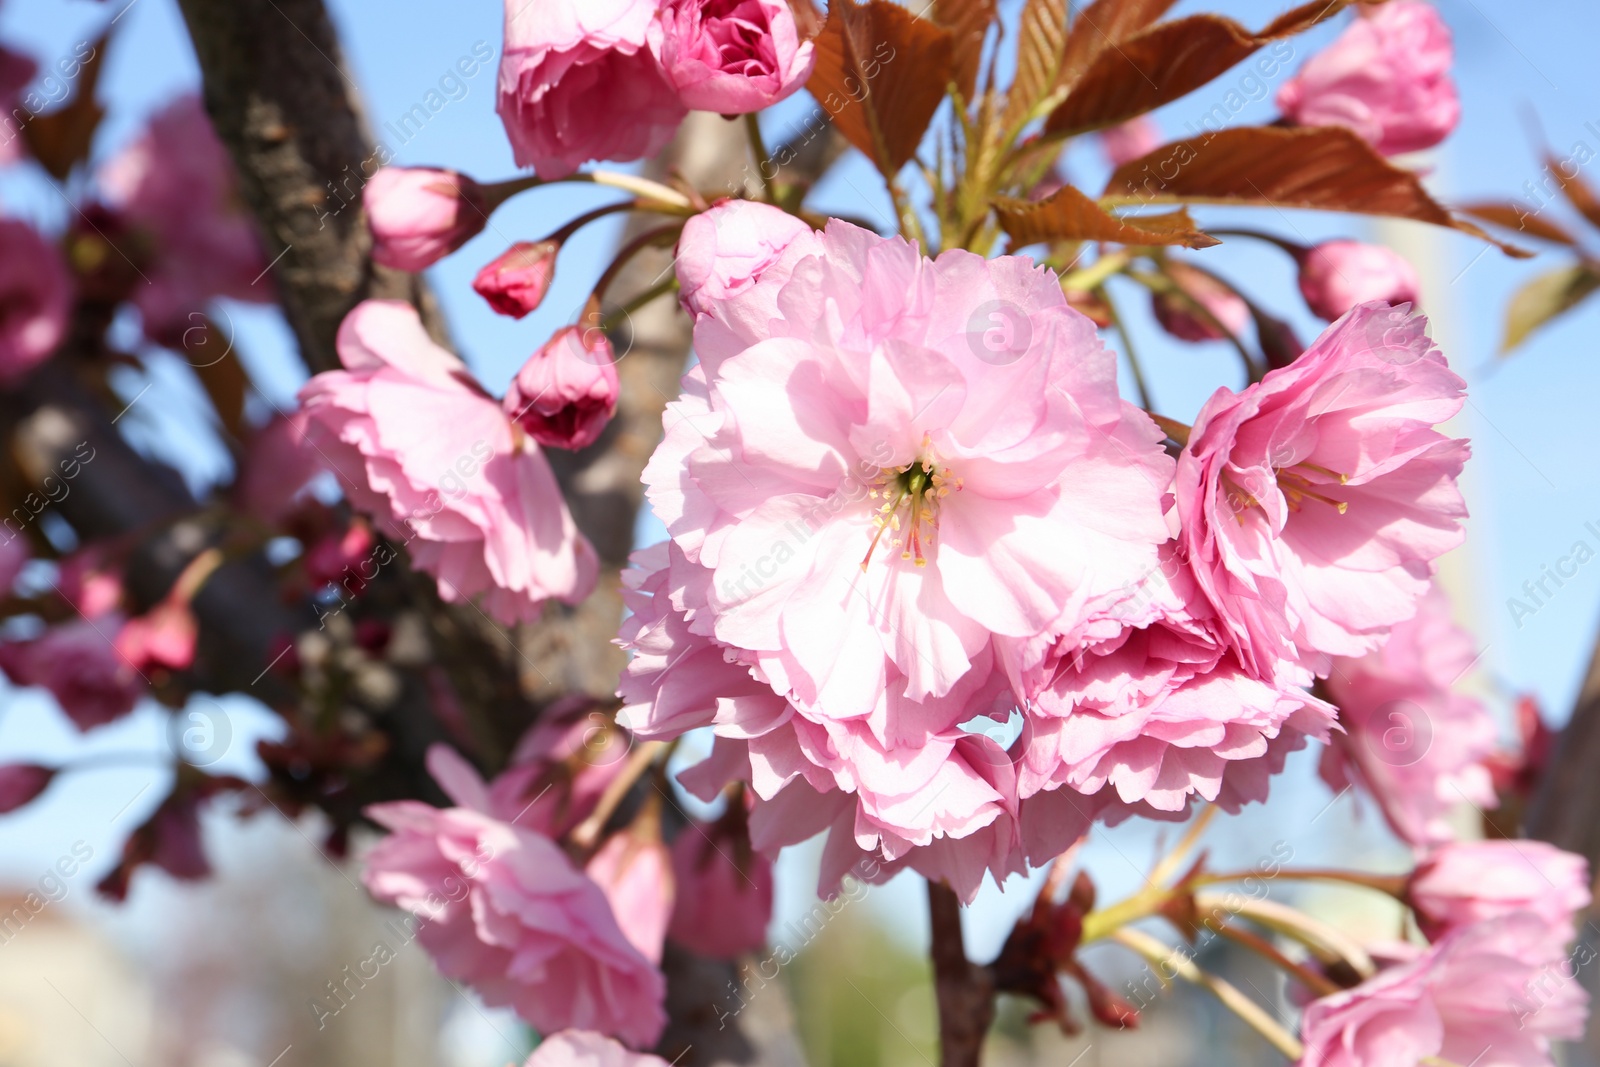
pixel 1412 743
pixel 725 252
pixel 1465 882
pixel 634 870
pixel 1220 313
pixel 20 783
pixel 161 639
pixel 1489 994
pixel 420 447
pixel 582 1048
pixel 1314 503
pixel 567 391
pixel 516 281
pixel 79 666
pixel 176 184
pixel 724 900
pixel 907 800
pixel 730 56
pixel 1387 77
pixel 419 215
pixel 1128 141
pixel 854 524
pixel 505 911
pixel 35 297
pixel 578 83
pixel 1149 700
pixel 860 509
pixel 1335 276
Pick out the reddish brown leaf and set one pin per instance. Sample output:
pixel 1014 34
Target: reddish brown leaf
pixel 60 139
pixel 1041 40
pixel 1069 215
pixel 1514 216
pixel 1319 168
pixel 968 22
pixel 807 17
pixel 1161 63
pixel 881 73
pixel 1579 194
pixel 1101 25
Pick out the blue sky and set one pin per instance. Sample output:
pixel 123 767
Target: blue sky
pixel 1531 487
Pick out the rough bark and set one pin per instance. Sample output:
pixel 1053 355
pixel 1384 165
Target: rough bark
pixel 281 100
pixel 965 990
pixel 1566 809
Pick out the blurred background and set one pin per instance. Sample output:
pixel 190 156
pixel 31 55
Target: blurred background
pixel 246 969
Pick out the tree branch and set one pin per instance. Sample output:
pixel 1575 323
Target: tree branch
pixel 965 990
pixel 1565 810
pixel 281 100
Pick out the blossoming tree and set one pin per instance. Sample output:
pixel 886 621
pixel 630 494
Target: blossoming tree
pixel 940 584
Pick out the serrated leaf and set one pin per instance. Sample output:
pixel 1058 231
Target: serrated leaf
pixel 1325 168
pixel 61 139
pixel 1069 215
pixel 1514 216
pixel 1545 298
pixel 1101 26
pixel 1161 63
pixel 881 73
pixel 1041 42
pixel 968 22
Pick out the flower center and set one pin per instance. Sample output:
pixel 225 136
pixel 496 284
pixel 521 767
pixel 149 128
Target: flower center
pixel 1295 484
pixel 909 513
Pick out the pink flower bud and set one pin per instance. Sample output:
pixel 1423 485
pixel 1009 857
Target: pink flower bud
pixel 731 56
pixel 1179 316
pixel 516 282
pixel 20 783
pixel 724 893
pixel 419 215
pixel 564 396
pixel 1337 275
pixel 1387 77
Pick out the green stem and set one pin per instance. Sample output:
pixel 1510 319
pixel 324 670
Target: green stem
pixel 645 240
pixel 1096 273
pixel 1319 937
pixel 1139 384
pixel 1320 984
pixel 1392 884
pixel 1164 957
pixel 752 126
pixel 1105 922
pixel 660 196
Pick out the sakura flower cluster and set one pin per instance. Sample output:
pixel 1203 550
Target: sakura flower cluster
pixel 894 540
pixel 587 80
